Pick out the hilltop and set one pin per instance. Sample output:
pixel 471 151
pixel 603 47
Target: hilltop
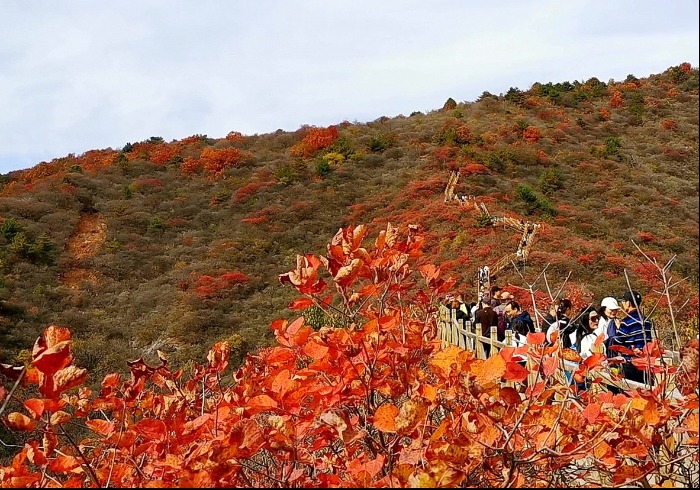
pixel 173 245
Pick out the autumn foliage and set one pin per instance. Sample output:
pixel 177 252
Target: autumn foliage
pixel 314 140
pixel 376 403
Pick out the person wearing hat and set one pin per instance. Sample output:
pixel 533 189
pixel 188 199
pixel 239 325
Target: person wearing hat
pixel 633 333
pixel 608 321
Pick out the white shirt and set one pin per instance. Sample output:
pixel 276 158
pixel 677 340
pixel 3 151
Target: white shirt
pixel 519 340
pixel 554 327
pixel 587 345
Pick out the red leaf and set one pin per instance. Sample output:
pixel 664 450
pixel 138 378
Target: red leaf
pixel 35 407
pixel 153 430
pixel 63 464
pixel 591 412
pixel 300 304
pixel 536 338
pixel 101 427
pixel 550 365
pixel 515 372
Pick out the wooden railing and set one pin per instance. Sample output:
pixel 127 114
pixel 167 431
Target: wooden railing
pixel 462 334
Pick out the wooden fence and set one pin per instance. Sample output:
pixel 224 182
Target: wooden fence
pixel 467 336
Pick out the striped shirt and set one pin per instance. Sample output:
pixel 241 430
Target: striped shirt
pixel 633 332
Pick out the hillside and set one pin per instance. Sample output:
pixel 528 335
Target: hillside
pixel 173 245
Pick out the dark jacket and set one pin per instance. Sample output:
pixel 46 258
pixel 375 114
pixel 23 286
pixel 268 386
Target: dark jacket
pixel 488 318
pixel 522 323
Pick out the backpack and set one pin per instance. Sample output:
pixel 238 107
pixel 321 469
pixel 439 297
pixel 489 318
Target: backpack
pixel 501 326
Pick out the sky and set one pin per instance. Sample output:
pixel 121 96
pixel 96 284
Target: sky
pixel 78 75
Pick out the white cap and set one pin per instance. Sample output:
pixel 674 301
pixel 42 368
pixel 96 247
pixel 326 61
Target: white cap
pixel 610 303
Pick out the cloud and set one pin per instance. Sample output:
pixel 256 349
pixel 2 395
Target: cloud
pixel 80 75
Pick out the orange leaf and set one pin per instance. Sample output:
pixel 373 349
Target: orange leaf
pixel 445 359
pixel 18 421
pixel 429 392
pixel 315 351
pixel 282 383
pixel 411 414
pixel 260 403
pixel 60 417
pixel 63 464
pixel 101 427
pixel 385 418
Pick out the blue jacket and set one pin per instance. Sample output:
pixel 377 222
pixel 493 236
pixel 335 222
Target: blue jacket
pixel 633 332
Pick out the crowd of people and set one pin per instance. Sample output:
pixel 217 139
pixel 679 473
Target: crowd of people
pixel 614 322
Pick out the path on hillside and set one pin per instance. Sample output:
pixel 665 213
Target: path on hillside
pixel 527 228
pixel 89 235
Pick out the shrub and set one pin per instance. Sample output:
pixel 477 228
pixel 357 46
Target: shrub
pixel 380 142
pixel 551 180
pixel 314 140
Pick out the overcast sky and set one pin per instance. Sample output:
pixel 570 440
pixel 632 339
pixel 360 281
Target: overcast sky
pixel 77 75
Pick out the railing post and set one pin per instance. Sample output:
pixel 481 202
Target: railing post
pixel 462 338
pixel 509 338
pixel 441 326
pixel 480 354
pixel 494 339
pixel 470 338
pixel 453 327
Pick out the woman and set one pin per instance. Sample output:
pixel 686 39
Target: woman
pixel 558 321
pixel 587 333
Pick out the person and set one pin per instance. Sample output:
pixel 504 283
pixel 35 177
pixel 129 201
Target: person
pixel 518 319
pixel 557 320
pixel 588 334
pixel 487 318
pixel 634 332
pixel 455 302
pixel 503 298
pixel 608 321
pixel 585 336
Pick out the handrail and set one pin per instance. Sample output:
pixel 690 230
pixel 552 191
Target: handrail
pixel 467 336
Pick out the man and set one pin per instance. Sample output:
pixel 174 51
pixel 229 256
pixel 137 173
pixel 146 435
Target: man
pixel 519 320
pixel 633 333
pixel 487 318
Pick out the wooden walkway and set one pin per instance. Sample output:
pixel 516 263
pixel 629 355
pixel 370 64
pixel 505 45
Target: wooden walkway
pixel 467 336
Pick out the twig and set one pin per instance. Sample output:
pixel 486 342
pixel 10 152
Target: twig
pixel 14 387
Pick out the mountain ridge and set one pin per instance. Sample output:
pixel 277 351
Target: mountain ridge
pixel 197 230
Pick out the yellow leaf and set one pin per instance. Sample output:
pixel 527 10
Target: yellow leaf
pixel 490 371
pixel 444 360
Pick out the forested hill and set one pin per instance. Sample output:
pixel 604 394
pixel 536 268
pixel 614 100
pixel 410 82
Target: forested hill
pixel 173 245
